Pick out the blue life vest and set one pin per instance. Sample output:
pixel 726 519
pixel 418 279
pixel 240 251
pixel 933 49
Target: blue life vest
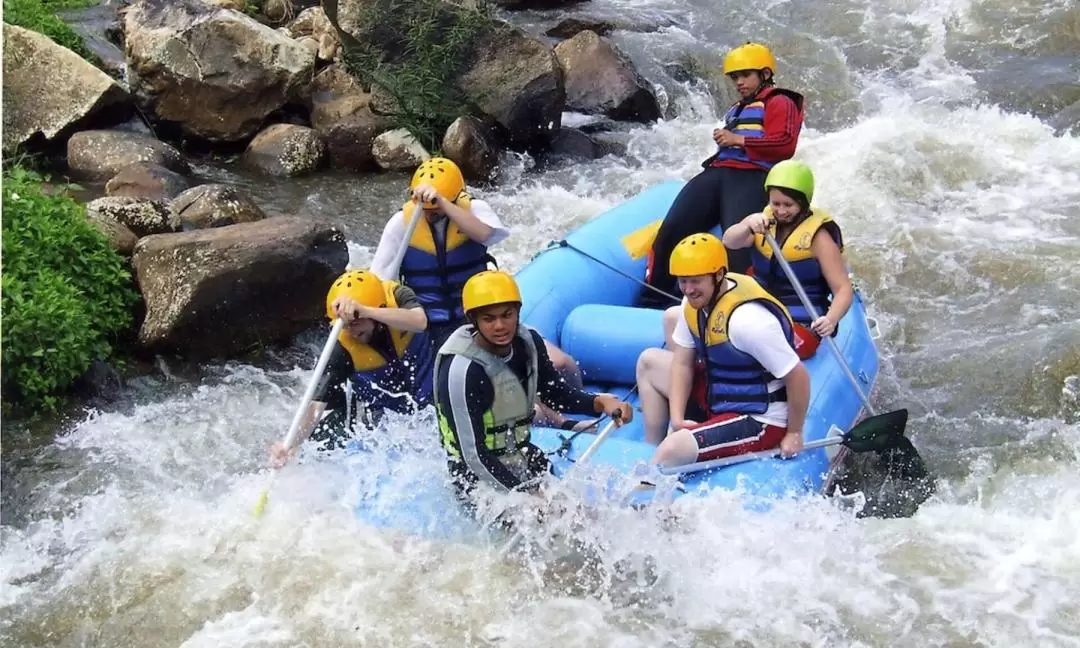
pixel 747 118
pixel 737 383
pixel 798 251
pixel 392 378
pixel 437 268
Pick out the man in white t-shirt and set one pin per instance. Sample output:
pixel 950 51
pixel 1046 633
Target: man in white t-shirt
pixel 734 348
pixel 447 248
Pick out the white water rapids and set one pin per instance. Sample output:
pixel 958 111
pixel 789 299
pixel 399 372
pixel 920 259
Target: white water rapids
pixel 961 215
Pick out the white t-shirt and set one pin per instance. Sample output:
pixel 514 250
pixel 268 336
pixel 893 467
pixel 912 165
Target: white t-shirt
pixel 395 228
pixel 753 329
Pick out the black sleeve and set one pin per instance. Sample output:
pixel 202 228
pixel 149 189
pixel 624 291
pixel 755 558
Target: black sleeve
pixel 553 390
pixel 405 297
pixel 464 394
pixel 329 389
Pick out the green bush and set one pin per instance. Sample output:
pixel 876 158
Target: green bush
pixel 40 16
pixel 413 50
pixel 66 293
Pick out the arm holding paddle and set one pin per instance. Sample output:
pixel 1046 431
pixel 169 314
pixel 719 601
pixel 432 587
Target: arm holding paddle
pixel 741 234
pixel 828 255
pixel 403 319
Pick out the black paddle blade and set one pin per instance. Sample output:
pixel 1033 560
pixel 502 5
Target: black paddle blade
pixel 894 481
pixel 878 433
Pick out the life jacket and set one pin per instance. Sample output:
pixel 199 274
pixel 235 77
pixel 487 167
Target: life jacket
pixel 391 378
pixel 437 269
pixel 737 383
pixel 507 423
pixel 747 118
pixel 799 253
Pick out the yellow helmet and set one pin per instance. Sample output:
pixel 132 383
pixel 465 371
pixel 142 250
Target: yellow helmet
pixel 752 56
pixel 442 174
pixel 487 288
pixel 698 254
pixel 361 286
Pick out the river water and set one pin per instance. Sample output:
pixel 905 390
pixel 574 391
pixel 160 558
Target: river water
pixel 939 132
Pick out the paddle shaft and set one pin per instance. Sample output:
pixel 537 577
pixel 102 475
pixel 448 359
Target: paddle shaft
pixel 749 456
pixel 418 213
pixel 809 306
pixel 309 393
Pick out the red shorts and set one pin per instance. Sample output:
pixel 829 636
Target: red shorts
pixel 726 435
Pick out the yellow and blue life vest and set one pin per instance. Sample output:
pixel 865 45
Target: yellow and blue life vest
pixel 737 383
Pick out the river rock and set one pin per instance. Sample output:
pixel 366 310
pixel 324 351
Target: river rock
pixel 398 150
pixel 313 23
pixel 101 154
pixel 286 150
pixel 150 181
pixel 49 91
pixel 212 205
pixel 572 143
pixel 534 4
pixel 221 291
pixel 474 148
pixel 601 79
pixel 140 215
pixel 341 113
pixel 515 80
pixel 216 73
pixel 572 26
pixel 120 236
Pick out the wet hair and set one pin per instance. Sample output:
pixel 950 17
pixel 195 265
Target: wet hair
pixel 798 196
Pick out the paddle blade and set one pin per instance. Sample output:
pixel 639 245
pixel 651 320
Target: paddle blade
pixel 894 481
pixel 878 433
pixel 260 505
pixel 640 241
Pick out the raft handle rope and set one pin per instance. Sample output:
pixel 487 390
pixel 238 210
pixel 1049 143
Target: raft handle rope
pixel 566 244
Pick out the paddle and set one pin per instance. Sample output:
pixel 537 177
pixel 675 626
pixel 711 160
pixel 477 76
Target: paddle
pixel 876 434
pixel 324 359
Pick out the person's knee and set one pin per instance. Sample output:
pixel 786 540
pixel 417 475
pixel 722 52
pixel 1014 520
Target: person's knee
pixel 676 449
pixel 647 362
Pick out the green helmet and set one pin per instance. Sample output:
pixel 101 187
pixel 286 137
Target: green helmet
pixel 792 174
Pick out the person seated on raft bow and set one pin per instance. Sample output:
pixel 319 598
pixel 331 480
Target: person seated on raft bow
pixel 749 389
pixel 813 245
pixel 382 353
pixel 488 374
pixel 447 248
pixel 759 130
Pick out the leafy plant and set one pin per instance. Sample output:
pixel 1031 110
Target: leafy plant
pixel 413 50
pixel 66 293
pixel 40 16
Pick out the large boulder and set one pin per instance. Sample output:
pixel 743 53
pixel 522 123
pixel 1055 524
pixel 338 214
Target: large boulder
pixel 515 79
pixel 600 79
pixel 398 150
pixel 286 150
pixel 101 154
pixel 214 72
pixel 221 291
pixel 212 205
pixel 341 113
pixel 151 181
pixel 50 91
pixel 470 144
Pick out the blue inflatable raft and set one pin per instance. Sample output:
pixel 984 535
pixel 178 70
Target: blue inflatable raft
pixel 579 294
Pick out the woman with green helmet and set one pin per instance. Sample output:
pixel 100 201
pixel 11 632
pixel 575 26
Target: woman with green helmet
pixel 812 244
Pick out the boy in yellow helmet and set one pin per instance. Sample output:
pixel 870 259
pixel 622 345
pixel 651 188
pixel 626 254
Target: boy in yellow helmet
pixel 759 130
pixel 383 355
pixel 488 374
pixel 752 389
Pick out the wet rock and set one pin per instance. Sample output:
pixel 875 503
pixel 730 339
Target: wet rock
pixel 398 150
pixel 600 78
pixel 515 80
pixel 221 291
pixel 286 150
pixel 313 23
pixel 140 215
pixel 101 154
pixel 215 73
pixel 572 143
pixel 535 4
pixel 235 5
pixel 49 91
pixel 341 113
pixel 120 236
pixel 213 205
pixel 150 181
pixel 570 27
pixel 474 148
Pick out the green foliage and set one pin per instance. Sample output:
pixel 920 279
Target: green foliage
pixel 413 50
pixel 65 293
pixel 40 16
